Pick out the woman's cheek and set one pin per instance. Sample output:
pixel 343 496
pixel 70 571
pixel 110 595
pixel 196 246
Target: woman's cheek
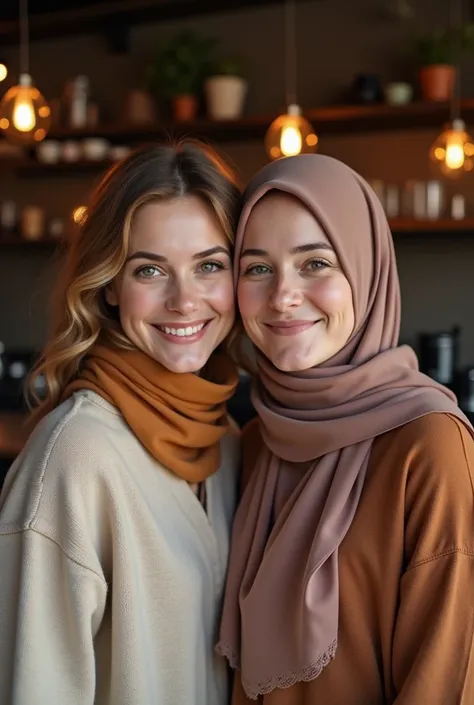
pixel 138 299
pixel 221 295
pixel 251 298
pixel 331 294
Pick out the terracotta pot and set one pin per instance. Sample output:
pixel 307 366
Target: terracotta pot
pixel 184 107
pixel 437 82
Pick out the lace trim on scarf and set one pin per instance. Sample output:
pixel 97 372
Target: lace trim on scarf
pixel 285 680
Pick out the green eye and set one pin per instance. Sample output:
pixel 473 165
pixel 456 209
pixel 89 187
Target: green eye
pixel 148 271
pixel 316 264
pixel 211 267
pixel 257 269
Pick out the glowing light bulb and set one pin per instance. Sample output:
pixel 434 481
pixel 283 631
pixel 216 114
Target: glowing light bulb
pixel 452 153
pixel 290 141
pixel 290 134
pixel 23 117
pixel 3 71
pixel 454 156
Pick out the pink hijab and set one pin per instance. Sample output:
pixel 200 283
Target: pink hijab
pixel 281 609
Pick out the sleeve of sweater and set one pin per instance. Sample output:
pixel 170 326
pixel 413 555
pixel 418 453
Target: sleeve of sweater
pixel 48 616
pixel 433 651
pixel 52 589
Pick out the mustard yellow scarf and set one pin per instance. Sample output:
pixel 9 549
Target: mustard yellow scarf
pixel 179 418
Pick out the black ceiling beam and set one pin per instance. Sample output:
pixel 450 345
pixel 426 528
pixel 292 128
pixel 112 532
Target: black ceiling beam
pixel 102 15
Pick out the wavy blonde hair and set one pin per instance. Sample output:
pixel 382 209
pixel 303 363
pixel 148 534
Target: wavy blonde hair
pixel 80 313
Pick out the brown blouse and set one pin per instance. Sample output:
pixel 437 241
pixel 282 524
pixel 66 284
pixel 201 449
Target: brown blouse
pixel 406 572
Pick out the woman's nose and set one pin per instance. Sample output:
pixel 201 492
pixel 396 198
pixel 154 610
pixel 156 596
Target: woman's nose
pixel 285 295
pixel 182 298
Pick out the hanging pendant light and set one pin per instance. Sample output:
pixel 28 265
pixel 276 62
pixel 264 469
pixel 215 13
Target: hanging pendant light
pixel 452 152
pixel 290 133
pixel 25 116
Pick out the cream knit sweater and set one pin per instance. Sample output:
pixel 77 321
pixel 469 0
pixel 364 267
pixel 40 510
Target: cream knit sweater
pixel 111 572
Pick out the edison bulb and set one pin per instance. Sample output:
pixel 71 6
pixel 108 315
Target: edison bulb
pixel 25 116
pixel 452 153
pixel 23 113
pixel 290 134
pixel 3 71
pixel 290 141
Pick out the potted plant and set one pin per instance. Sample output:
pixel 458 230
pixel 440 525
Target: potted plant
pixel 178 73
pixel 438 52
pixel 226 89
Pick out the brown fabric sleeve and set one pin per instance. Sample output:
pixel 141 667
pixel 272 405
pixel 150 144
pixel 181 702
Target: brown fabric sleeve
pixel 433 653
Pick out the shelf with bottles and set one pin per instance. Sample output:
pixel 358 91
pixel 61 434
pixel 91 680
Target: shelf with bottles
pixel 326 119
pixel 335 119
pixel 399 227
pixel 79 152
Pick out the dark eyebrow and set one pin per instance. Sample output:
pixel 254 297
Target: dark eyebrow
pixel 212 251
pixel 141 254
pixel 295 251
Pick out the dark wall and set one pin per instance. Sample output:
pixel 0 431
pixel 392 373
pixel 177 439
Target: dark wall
pixel 336 40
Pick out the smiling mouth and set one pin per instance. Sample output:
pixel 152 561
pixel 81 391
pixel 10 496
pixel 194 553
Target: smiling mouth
pixel 183 334
pixel 290 327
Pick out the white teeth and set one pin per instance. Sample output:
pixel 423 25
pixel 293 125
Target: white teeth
pixel 182 332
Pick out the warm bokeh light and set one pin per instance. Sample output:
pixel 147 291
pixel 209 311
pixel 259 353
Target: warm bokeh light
pixel 79 214
pixel 25 116
pixel 290 134
pixel 452 152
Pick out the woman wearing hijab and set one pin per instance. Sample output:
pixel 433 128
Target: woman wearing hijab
pixel 351 578
pixel 115 519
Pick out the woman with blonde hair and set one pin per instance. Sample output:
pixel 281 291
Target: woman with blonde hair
pixel 115 518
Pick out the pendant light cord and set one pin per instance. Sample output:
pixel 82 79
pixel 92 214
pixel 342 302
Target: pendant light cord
pixel 456 12
pixel 290 51
pixel 24 37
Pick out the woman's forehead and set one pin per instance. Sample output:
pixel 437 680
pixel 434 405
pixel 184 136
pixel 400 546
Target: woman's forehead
pixel 284 215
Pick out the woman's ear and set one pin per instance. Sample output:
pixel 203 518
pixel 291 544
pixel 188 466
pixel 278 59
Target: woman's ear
pixel 111 293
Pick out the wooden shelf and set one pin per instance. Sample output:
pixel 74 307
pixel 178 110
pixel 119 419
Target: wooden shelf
pixel 341 119
pixel 337 119
pixel 443 225
pixel 373 118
